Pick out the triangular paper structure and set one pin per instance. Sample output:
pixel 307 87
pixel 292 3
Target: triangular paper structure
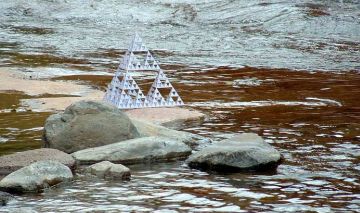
pixel 125 93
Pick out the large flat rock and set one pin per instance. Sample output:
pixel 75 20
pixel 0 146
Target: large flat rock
pixel 172 117
pixel 147 129
pixel 13 162
pixel 139 150
pixel 246 151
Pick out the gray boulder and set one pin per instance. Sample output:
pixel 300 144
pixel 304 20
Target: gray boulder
pixel 146 149
pixel 148 129
pixel 106 169
pixel 36 177
pixel 5 198
pixel 87 124
pixel 13 162
pixel 242 152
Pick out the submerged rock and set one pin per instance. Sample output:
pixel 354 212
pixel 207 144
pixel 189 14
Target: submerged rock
pixel 13 162
pixel 146 149
pixel 36 177
pixel 87 124
pixel 106 169
pixel 242 152
pixel 5 198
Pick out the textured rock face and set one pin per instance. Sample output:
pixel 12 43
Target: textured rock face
pixel 87 124
pixel 148 129
pixel 35 177
pixel 146 149
pixel 243 152
pixel 13 162
pixel 108 170
pixel 171 117
pixel 5 198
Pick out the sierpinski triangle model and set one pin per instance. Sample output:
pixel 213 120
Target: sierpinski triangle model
pixel 125 93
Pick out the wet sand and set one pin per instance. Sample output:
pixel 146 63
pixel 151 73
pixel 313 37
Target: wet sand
pixel 15 81
pixel 11 80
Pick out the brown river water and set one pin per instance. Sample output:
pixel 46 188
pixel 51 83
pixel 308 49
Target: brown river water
pixel 287 70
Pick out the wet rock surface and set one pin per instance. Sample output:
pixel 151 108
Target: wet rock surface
pixel 246 151
pixel 108 170
pixel 36 177
pixel 5 198
pixel 139 150
pixel 13 162
pixel 147 129
pixel 171 117
pixel 87 124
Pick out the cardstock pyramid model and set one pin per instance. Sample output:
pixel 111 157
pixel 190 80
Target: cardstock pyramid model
pixel 125 93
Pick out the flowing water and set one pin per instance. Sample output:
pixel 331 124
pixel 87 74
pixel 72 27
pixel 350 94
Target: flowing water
pixel 287 70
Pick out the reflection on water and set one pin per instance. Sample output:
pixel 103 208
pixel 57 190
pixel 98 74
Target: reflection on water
pixel 312 118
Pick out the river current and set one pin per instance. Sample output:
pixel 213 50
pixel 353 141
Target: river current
pixel 287 70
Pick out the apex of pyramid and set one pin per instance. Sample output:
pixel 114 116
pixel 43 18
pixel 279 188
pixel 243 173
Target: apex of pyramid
pixel 137 44
pixel 136 39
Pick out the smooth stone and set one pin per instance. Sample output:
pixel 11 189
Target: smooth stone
pixel 147 129
pixel 13 162
pixel 171 117
pixel 246 151
pixel 5 198
pixel 106 169
pixel 36 177
pixel 139 150
pixel 87 124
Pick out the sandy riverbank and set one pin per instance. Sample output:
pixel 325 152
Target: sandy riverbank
pixel 14 80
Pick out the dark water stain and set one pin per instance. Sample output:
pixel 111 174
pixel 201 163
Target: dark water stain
pixel 315 10
pixel 29 29
pixel 42 60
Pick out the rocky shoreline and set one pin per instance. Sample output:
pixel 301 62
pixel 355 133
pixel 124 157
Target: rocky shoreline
pixel 96 139
pixel 90 132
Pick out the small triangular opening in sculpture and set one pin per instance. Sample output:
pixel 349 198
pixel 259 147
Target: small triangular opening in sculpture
pixel 124 92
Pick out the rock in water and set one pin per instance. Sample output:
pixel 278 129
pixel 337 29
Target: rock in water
pixel 5 198
pixel 174 119
pixel 149 129
pixel 87 124
pixel 243 152
pixel 106 169
pixel 13 162
pixel 146 149
pixel 35 177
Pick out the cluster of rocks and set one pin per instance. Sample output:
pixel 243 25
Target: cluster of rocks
pixel 95 133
